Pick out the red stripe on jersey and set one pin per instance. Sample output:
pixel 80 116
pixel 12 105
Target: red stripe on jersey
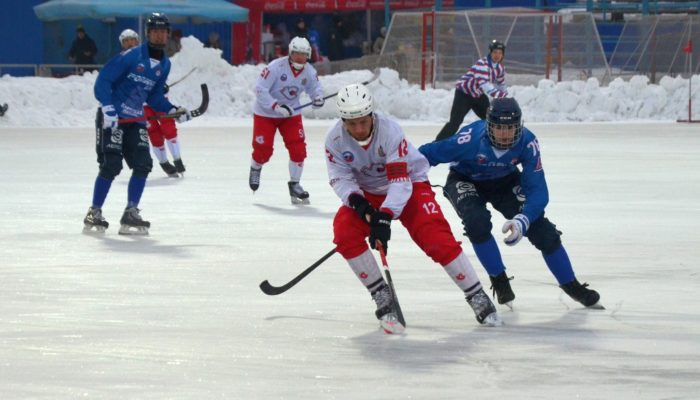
pixel 397 171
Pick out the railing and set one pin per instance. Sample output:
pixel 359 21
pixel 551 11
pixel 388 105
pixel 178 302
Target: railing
pixel 51 70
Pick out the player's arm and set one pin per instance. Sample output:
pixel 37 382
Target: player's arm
pixel 400 185
pixel 450 149
pixel 263 85
pixel 532 181
pixel 340 176
pixel 109 74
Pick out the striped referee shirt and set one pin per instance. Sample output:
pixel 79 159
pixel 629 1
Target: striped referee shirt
pixel 484 77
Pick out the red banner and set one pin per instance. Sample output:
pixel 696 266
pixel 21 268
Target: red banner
pixel 328 6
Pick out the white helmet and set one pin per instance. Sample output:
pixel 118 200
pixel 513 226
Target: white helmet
pixel 128 34
pixel 354 101
pixel 300 45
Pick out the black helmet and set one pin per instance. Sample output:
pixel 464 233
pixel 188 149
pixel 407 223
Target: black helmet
pixel 157 21
pixel 497 45
pixel 504 113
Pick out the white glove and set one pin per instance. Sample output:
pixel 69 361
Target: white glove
pixel 318 102
pixel 110 119
pixel 186 114
pixel 283 110
pixel 517 226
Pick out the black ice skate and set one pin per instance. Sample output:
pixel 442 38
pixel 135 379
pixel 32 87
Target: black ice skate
pixel 169 169
pixel 94 219
pixel 132 223
pixel 386 310
pixel 583 294
pixel 500 284
pixel 484 309
pixel 179 166
pixel 297 193
pixel 3 109
pixel 254 178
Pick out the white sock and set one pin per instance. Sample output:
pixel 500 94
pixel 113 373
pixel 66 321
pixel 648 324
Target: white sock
pixel 295 170
pixel 463 274
pixel 366 270
pixel 159 152
pixel 174 147
pixel 255 164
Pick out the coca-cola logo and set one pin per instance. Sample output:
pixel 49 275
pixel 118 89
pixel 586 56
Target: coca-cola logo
pixel 318 4
pixel 271 6
pixel 356 4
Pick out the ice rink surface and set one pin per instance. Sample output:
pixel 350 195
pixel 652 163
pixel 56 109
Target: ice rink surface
pixel 178 314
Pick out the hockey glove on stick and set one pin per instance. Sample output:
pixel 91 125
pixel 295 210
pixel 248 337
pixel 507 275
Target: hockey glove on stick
pixel 283 110
pixel 185 114
pixel 361 207
pixel 110 119
pixel 517 226
pixel 380 230
pixel 318 102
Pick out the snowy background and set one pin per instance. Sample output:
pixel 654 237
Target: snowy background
pixel 69 102
pixel 178 314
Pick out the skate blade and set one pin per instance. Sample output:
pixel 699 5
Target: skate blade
pixel 392 327
pixel 596 306
pixel 133 230
pixel 87 229
pixel 297 201
pixel 492 320
pixel 509 304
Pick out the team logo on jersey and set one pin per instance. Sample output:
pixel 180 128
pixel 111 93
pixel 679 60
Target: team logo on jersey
pixel 140 68
pixel 348 157
pixel 514 161
pixel 330 156
pixel 260 139
pixel 157 72
pixel 303 82
pixel 518 192
pixel 481 159
pixel 375 170
pixel 283 77
pixel 290 92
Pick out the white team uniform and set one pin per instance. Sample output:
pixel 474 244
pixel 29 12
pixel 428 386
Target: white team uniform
pixel 278 83
pixel 352 169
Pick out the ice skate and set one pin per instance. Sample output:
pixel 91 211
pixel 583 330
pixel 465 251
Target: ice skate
pixel 3 109
pixel 582 294
pixel 94 219
pixel 500 284
pixel 179 166
pixel 297 193
pixel 386 311
pixel 254 178
pixel 132 223
pixel 484 309
pixel 169 169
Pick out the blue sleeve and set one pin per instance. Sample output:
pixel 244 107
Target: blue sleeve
pixel 110 73
pixel 532 181
pixel 454 148
pixel 156 99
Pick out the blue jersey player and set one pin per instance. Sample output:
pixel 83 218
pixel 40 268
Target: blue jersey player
pixel 126 82
pixel 484 157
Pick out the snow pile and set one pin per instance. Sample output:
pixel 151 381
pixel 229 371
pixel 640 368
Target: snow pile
pixel 67 102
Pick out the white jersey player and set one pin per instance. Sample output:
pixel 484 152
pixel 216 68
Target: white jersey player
pixel 277 92
pixel 379 176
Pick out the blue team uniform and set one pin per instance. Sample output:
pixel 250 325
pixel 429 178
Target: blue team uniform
pixel 129 80
pixel 473 157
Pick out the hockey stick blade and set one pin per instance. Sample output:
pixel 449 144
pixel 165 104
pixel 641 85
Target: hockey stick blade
pixel 375 75
pixel 195 113
pixel 270 290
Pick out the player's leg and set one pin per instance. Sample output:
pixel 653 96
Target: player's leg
pixel 349 233
pixel 292 131
pixel 157 138
pixel 139 159
pixel 169 129
pixel 480 105
pixel 264 129
pixel 427 226
pixel 460 108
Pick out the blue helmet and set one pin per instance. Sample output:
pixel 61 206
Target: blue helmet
pixel 504 123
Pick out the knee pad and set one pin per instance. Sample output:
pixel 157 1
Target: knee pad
pixel 544 235
pixel 262 153
pixel 477 226
pixel 110 166
pixel 143 163
pixel 297 151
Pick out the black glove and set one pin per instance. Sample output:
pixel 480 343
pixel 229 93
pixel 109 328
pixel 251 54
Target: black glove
pixel 380 229
pixel 361 206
